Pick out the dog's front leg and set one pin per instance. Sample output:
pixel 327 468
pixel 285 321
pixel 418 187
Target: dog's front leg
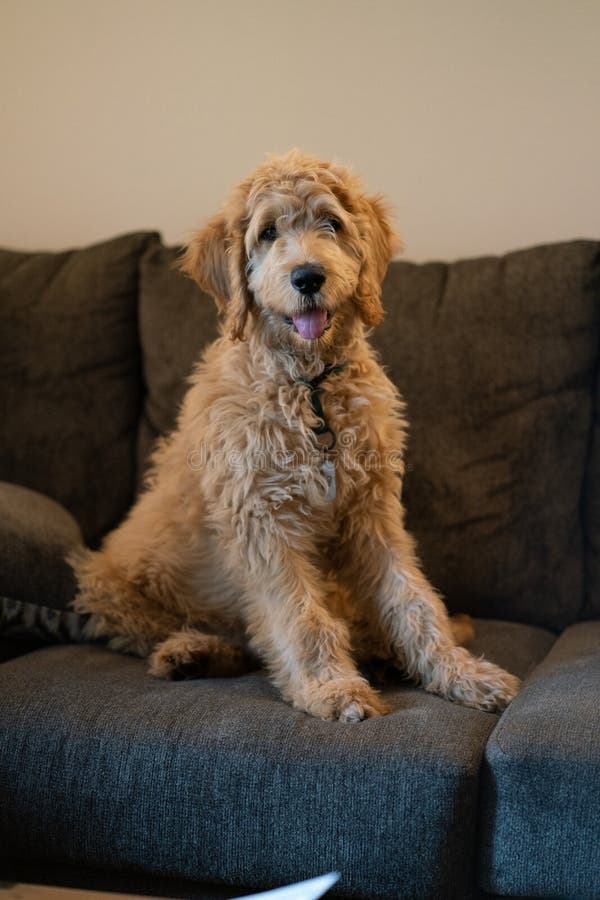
pixel 305 648
pixel 415 621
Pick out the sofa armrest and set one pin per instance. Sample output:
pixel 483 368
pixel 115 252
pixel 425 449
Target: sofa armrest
pixel 36 533
pixel 36 583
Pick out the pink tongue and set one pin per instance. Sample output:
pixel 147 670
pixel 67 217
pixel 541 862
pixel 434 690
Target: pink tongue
pixel 311 325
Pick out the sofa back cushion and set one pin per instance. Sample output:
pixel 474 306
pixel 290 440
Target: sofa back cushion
pixel 591 512
pixel 495 358
pixel 70 376
pixel 176 321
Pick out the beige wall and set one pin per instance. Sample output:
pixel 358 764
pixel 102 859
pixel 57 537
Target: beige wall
pixel 480 120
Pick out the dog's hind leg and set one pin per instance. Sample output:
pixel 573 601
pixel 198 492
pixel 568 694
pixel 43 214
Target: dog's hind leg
pixel 190 653
pixel 136 624
pixel 194 643
pixel 119 612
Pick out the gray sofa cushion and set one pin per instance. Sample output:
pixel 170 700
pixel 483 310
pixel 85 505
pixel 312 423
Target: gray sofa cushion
pixel 496 359
pixel 70 376
pixel 220 780
pixel 541 790
pixel 176 321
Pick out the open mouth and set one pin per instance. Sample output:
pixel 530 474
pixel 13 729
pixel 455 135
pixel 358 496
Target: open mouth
pixel 311 323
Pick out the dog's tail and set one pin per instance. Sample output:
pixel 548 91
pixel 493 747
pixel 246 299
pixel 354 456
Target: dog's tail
pixel 462 628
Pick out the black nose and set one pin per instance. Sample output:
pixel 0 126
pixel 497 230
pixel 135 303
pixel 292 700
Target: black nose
pixel 307 279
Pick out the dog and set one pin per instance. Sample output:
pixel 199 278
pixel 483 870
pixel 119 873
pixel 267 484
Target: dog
pixel 271 527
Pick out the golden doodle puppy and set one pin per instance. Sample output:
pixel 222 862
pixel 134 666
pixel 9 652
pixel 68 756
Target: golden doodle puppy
pixel 271 526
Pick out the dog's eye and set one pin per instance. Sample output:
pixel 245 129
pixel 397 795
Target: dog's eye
pixel 331 224
pixel 269 233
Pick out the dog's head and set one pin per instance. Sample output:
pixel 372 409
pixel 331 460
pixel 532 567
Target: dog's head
pixel 299 251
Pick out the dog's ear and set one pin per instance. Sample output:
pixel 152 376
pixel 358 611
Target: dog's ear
pixel 205 260
pixel 241 298
pixel 380 244
pixel 215 259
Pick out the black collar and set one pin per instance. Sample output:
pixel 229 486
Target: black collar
pixel 315 401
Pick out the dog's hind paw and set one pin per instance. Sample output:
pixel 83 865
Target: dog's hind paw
pixel 192 654
pixel 345 700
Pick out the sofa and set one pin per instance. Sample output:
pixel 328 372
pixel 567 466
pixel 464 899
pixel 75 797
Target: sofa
pixel 215 787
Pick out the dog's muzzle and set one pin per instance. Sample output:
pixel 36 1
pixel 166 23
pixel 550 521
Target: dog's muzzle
pixel 308 280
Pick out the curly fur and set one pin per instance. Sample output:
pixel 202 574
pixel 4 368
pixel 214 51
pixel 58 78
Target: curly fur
pixel 237 551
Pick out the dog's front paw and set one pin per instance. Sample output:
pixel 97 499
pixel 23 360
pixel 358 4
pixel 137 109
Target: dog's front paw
pixel 473 682
pixel 344 700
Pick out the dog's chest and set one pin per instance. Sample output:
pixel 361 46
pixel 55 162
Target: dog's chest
pixel 275 452
pixel 327 438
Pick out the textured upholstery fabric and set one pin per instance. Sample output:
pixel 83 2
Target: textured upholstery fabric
pixel 591 510
pixel 220 780
pixel 496 359
pixel 70 376
pixel 176 321
pixel 541 786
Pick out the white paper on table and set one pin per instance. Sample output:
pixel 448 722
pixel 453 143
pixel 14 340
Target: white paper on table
pixel 303 890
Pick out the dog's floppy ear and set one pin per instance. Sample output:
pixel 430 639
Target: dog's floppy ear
pixel 215 259
pixel 241 298
pixel 380 244
pixel 205 260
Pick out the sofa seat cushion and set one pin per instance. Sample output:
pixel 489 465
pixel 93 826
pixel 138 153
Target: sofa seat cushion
pixel 220 780
pixel 541 793
pixel 71 376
